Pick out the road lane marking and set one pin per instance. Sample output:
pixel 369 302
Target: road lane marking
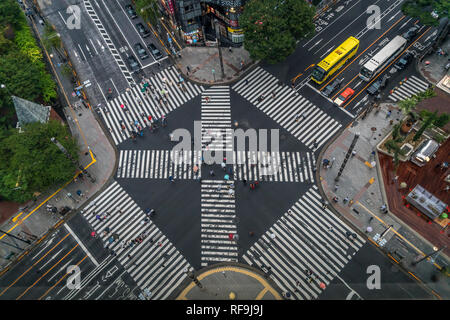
pixel 334 77
pixel 33 265
pixel 23 293
pixel 81 244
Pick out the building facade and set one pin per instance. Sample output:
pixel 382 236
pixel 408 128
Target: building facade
pixel 194 20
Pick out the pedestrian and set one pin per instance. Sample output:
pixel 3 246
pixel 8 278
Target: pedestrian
pixel 273 94
pixel 211 173
pixel 223 166
pixel 345 200
pixel 336 187
pixel 219 188
pixel 98 217
pixel 353 153
pixel 231 193
pixel 388 114
pixel 229 49
pixel 244 182
pixel 297 117
pixel 251 233
pixel 252 187
pixel 242 64
pixel 246 81
pixel 188 69
pixel 206 99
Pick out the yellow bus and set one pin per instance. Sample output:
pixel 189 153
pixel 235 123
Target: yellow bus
pixel 335 60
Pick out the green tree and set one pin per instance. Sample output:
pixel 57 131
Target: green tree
pixel 422 9
pixel 148 9
pixel 424 126
pixel 442 120
pixel 30 162
pixel 272 29
pixel 10 13
pixel 407 105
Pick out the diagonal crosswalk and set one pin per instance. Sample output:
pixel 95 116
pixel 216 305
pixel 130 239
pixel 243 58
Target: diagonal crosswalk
pixel 314 125
pixel 218 220
pixel 164 96
pixel 216 119
pixel 411 86
pixel 151 260
pixel 158 164
pixel 274 166
pixel 307 246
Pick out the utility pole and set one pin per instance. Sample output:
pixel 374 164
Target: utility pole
pixel 218 47
pixel 68 155
pixel 347 156
pixel 428 255
pixel 13 236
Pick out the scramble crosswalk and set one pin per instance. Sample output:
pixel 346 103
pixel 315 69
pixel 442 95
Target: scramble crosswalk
pixel 411 86
pixel 305 249
pixel 216 119
pixel 313 124
pixel 158 164
pixel 138 104
pixel 144 251
pixel 274 166
pixel 218 221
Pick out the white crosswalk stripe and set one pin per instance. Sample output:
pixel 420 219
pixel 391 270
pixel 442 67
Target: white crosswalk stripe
pixel 313 124
pixel 218 220
pixel 159 164
pixel 154 263
pixel 411 86
pixel 216 119
pixel 305 239
pixel 274 166
pixel 139 105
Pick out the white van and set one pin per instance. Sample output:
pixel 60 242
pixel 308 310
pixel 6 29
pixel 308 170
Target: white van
pixel 424 153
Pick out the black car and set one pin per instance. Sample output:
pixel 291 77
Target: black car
pixel 154 50
pixel 143 31
pixel 411 33
pixel 64 210
pixel 134 65
pixel 378 85
pixel 141 51
pixel 130 11
pixel 329 89
pixel 403 61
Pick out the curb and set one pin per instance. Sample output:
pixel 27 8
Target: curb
pixel 257 271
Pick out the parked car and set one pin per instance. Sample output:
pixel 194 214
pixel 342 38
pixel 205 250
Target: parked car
pixel 344 96
pixel 130 11
pixel 424 153
pixel 134 64
pixel 403 62
pixel 379 84
pixel 154 50
pixel 64 210
pixel 411 33
pixel 329 89
pixel 143 31
pixel 141 51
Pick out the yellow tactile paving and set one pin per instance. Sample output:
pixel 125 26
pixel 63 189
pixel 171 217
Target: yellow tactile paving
pixel 267 286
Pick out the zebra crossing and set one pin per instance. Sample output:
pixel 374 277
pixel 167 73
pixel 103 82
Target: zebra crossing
pixel 313 125
pixel 305 239
pixel 139 105
pixel 274 166
pixel 216 119
pixel 159 164
pixel 154 263
pixel 411 86
pixel 218 221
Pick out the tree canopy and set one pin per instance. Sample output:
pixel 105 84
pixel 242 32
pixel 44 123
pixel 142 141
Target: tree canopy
pixel 30 162
pixel 148 9
pixel 272 29
pixel 22 70
pixel 422 9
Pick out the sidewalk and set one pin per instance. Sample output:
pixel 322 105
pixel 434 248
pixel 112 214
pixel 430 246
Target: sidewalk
pixel 202 65
pixel 97 155
pixel 363 185
pixel 432 65
pixel 228 281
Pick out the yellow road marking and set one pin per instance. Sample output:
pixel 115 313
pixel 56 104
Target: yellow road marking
pixel 266 285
